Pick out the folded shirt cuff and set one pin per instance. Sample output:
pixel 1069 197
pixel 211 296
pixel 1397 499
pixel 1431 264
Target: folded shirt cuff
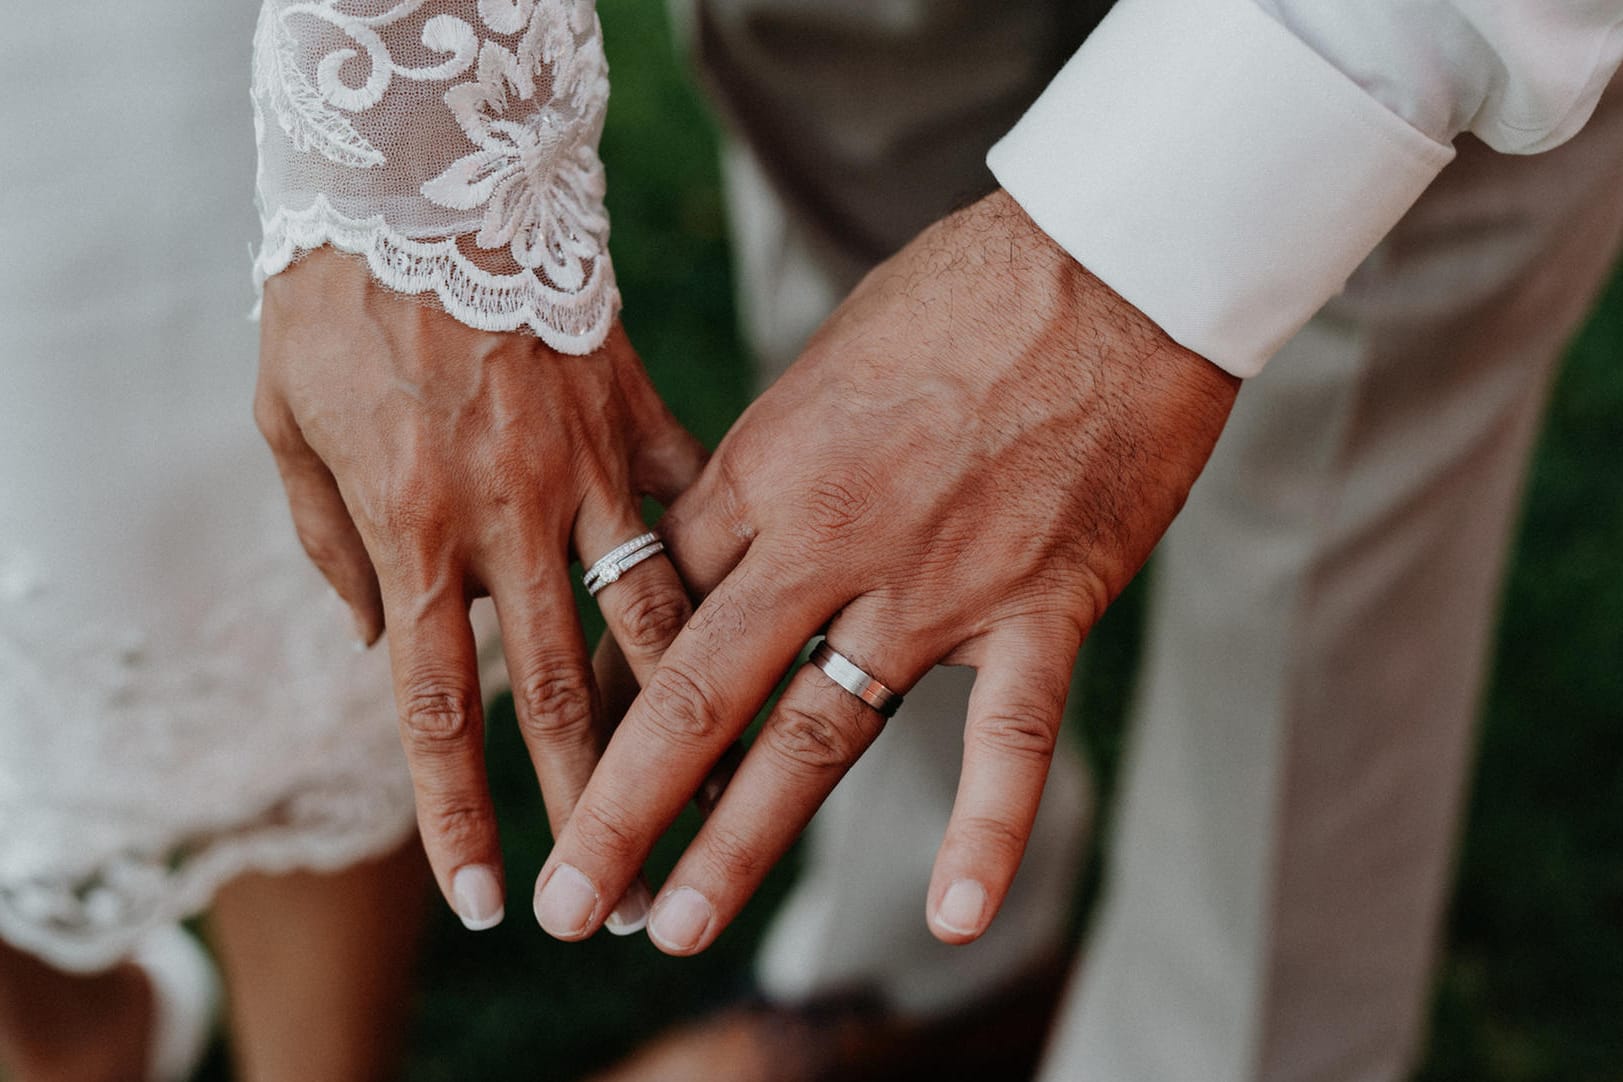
pixel 1215 171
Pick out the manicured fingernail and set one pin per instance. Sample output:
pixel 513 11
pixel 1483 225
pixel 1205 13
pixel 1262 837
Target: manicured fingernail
pixel 631 915
pixel 565 905
pixel 962 908
pixel 680 919
pixel 477 894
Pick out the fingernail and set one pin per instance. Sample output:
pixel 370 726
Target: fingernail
pixel 565 906
pixel 477 895
pixel 962 908
pixel 631 915
pixel 358 646
pixel 680 919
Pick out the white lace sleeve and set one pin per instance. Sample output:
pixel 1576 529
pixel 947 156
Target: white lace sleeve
pixel 453 143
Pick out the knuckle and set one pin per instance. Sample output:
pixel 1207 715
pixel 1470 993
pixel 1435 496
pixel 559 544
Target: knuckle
pixel 731 857
pixel 459 827
pixel 324 550
pixel 1001 839
pixel 507 479
pixel 651 620
pixel 811 743
pixel 414 493
pixel 842 499
pixel 738 460
pixel 271 420
pixel 728 497
pixel 684 706
pixel 554 701
pixel 1023 732
pixel 603 833
pixel 408 503
pixel 1092 597
pixel 437 712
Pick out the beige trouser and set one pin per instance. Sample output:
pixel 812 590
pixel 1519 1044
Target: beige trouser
pixel 1320 614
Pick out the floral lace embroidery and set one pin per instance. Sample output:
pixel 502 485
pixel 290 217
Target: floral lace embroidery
pixel 183 754
pixel 530 187
pixel 88 921
pixel 91 857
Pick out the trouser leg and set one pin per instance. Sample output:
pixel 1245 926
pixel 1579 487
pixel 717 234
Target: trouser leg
pixel 856 915
pixel 1320 624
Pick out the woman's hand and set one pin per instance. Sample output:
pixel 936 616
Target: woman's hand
pixel 428 463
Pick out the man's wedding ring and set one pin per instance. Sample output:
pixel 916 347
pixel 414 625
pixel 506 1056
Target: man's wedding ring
pixel 620 560
pixel 840 669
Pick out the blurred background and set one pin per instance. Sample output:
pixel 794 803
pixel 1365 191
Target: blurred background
pixel 1531 989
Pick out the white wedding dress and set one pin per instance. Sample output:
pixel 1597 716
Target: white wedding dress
pixel 179 698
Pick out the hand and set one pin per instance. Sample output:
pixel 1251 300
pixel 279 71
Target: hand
pixel 970 461
pixel 428 463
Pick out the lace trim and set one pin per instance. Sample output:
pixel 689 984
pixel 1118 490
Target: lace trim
pixel 570 322
pixel 92 921
pixel 521 130
pixel 191 739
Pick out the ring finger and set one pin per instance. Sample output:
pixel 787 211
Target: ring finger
pixel 814 734
pixel 643 601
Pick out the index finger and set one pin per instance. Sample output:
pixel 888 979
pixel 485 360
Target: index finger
pixel 705 692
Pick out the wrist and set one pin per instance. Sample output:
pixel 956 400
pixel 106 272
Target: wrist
pixel 1111 376
pixel 1052 284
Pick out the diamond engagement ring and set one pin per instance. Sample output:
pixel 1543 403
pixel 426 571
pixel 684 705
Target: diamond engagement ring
pixel 620 560
pixel 840 669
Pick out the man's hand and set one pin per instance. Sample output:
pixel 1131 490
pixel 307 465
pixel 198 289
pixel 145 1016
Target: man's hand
pixel 971 460
pixel 428 463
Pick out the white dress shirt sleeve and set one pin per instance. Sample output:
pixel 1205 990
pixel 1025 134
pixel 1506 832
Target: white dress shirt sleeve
pixel 1224 165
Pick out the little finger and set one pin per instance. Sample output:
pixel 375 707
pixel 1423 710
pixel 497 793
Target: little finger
pixel 1015 713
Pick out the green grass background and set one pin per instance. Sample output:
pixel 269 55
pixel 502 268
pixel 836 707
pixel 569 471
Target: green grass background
pixel 1531 989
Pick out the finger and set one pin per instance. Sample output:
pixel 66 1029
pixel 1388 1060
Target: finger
pixel 1015 713
pixel 706 530
pixel 814 734
pixel 617 685
pixel 704 694
pixel 554 695
pixel 436 683
pixel 555 702
pixel 647 605
pixel 617 690
pixel 323 522
pixel 668 457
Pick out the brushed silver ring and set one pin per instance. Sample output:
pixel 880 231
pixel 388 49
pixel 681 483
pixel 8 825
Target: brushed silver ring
pixel 844 672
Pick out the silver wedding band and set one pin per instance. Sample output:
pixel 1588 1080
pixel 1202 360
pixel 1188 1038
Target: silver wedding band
pixel 620 560
pixel 840 669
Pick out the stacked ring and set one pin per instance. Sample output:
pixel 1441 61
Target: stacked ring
pixel 620 560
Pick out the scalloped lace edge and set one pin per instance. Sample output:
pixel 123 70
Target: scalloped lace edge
pixel 186 888
pixel 575 322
